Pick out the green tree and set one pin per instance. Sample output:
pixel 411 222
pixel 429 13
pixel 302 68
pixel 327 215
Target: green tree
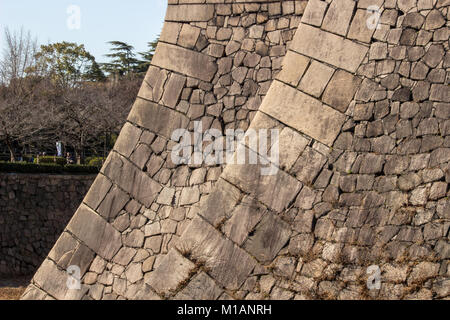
pixel 147 56
pixel 67 64
pixel 123 59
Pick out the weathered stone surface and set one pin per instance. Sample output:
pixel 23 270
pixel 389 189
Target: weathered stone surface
pixel 201 287
pixel 128 138
pixel 220 202
pixel 172 90
pixel 303 113
pixel 185 61
pixel 341 90
pixel 160 119
pixel 54 281
pixel 314 12
pixel 249 179
pixel 311 42
pixel 294 68
pixel 243 220
pixel 95 232
pixel 132 180
pixel 98 190
pixel 228 264
pixel 338 16
pixel 189 13
pixel 270 235
pixel 316 78
pixel 113 203
pixel 171 272
pixel 358 28
pixel 291 145
pixel 308 165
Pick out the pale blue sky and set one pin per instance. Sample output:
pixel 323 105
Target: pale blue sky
pixel 134 21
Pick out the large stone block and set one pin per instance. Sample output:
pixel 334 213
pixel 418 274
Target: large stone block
pixel 294 65
pixel 184 61
pixel 229 265
pixel 220 202
pixel 172 90
pixel 95 232
pixel 201 287
pixel 54 282
pixel 316 78
pixel 157 118
pixel 359 29
pixel 276 191
pixel 302 112
pixel 314 12
pixel 189 13
pixel 338 16
pixel 270 235
pixel 291 145
pixel 131 179
pixel 127 140
pixel 98 191
pixel 171 272
pixel 316 43
pixel 341 90
pixel 113 203
pixel 244 218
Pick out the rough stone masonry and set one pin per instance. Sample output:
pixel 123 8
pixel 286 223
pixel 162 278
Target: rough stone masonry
pixel 34 210
pixel 363 113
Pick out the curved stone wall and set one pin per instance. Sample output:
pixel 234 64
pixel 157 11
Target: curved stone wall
pixel 214 64
pixel 361 184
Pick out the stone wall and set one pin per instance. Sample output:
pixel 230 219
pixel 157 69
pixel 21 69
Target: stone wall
pixel 34 209
pixel 363 116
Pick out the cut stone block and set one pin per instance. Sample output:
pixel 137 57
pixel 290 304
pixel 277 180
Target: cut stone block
pixel 66 244
pixel 173 270
pixel 316 78
pixel 341 90
pixel 294 65
pixel 309 165
pixel 159 119
pixel 54 281
pixel 359 29
pixel 189 13
pixel 131 179
pixel 201 287
pixel 184 61
pixel 127 140
pixel 314 12
pixel 95 232
pixel 188 36
pixel 229 265
pixel 276 191
pixel 291 145
pixel 316 43
pixel 244 218
pixel 170 32
pixel 303 113
pixel 113 203
pixel 97 192
pixel 338 16
pixel 172 90
pixel 220 202
pixel 269 237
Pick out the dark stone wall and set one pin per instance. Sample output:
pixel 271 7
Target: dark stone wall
pixel 34 209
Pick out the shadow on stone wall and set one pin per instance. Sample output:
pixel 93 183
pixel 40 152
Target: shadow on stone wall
pixel 34 209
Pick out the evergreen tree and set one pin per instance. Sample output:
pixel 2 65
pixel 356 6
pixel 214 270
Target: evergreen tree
pixel 123 59
pixel 147 56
